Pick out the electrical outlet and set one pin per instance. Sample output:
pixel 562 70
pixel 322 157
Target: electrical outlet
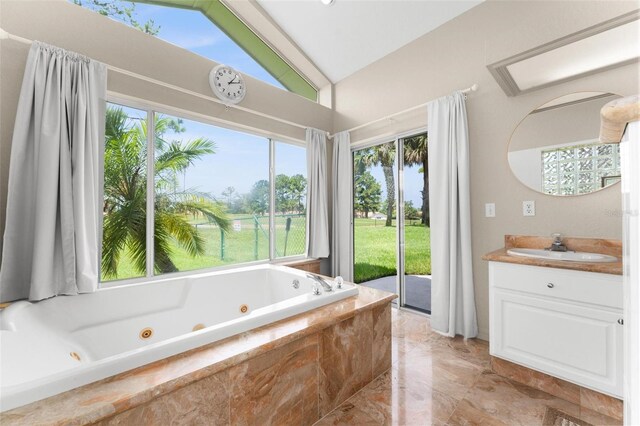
pixel 490 210
pixel 528 208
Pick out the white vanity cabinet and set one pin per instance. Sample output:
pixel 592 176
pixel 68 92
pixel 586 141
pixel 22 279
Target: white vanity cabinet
pixel 565 323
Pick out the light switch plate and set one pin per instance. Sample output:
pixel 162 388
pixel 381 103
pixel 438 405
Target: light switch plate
pixel 528 208
pixel 490 210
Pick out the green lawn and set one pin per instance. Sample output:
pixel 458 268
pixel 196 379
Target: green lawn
pixel 375 250
pixel 239 246
pixel 374 247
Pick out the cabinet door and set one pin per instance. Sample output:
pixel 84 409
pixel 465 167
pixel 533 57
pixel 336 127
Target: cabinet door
pixel 576 343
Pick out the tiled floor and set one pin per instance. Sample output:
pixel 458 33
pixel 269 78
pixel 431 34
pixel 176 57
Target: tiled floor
pixel 441 381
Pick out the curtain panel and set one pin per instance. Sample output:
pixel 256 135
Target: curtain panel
pixel 342 206
pixel 453 309
pixel 317 198
pixel 53 221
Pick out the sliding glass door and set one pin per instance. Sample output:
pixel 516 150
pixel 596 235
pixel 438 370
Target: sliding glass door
pixel 415 231
pixel 392 249
pixel 374 230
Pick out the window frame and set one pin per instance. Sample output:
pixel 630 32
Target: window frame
pixel 151 109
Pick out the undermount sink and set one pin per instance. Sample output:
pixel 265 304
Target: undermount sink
pixel 565 256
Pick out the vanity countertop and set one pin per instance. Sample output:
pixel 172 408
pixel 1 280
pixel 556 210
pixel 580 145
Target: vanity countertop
pixel 592 245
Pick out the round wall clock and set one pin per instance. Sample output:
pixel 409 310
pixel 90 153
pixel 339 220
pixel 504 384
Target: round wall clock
pixel 227 84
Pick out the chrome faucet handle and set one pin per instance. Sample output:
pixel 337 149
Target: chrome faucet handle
pixel 557 238
pixel 339 281
pixel 319 280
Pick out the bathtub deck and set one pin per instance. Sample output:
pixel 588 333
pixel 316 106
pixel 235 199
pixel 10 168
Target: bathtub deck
pixel 271 365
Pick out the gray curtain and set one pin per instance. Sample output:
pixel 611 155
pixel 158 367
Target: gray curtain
pixel 453 309
pixel 51 239
pixel 342 206
pixel 317 207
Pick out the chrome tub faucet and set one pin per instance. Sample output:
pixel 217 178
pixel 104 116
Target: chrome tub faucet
pixel 319 280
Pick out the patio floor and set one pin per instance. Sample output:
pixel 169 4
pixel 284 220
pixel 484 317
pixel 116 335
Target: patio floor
pixel 417 287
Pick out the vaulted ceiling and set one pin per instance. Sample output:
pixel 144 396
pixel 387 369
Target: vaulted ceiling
pixel 351 34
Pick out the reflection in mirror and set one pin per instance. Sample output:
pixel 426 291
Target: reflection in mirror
pixel 555 149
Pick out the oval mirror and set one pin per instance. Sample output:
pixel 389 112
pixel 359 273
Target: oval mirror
pixel 555 149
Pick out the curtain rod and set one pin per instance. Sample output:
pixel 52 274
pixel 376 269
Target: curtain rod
pixel 4 35
pixel 473 88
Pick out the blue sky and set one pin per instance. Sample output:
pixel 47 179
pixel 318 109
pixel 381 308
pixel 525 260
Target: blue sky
pixel 239 161
pixel 191 30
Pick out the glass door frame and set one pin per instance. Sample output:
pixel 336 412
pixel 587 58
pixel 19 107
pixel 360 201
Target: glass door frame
pixel 398 140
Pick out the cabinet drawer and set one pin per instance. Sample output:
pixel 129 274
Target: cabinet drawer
pixel 576 286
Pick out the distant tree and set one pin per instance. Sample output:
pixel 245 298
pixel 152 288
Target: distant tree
pixel 240 204
pixel 282 193
pixel 410 212
pixel 384 155
pixel 258 198
pixel 228 193
pixel 297 190
pixel 124 11
pixel 416 153
pixel 367 193
pixel 290 192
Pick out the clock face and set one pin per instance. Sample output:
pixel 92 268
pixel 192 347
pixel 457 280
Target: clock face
pixel 227 84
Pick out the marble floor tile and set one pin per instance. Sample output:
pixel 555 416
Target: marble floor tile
pixel 604 404
pixel 536 379
pixel 596 418
pixel 409 327
pixel 439 369
pixel 514 403
pixel 475 351
pixel 435 380
pixel 391 401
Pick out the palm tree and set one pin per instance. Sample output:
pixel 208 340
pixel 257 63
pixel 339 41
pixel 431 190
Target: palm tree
pixel 416 153
pixel 125 195
pixel 383 155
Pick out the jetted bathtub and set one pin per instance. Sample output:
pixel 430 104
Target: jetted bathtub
pixel 65 342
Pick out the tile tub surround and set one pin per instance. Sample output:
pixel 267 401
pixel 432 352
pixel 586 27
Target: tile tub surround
pixel 590 245
pixel 441 381
pixel 308 265
pixel 257 377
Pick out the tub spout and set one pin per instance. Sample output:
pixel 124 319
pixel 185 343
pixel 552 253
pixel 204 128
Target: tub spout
pixel 319 280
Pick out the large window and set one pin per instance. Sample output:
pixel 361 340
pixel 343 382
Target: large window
pixel 190 195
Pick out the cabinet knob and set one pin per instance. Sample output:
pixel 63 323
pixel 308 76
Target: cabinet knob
pixel 620 321
pixel 550 285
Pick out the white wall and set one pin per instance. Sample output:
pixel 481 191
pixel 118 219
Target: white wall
pixel 455 56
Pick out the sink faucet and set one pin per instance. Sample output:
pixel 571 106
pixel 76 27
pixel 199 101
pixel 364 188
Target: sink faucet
pixel 321 281
pixel 557 243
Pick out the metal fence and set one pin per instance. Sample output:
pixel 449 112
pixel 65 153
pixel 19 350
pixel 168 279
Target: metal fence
pixel 248 238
